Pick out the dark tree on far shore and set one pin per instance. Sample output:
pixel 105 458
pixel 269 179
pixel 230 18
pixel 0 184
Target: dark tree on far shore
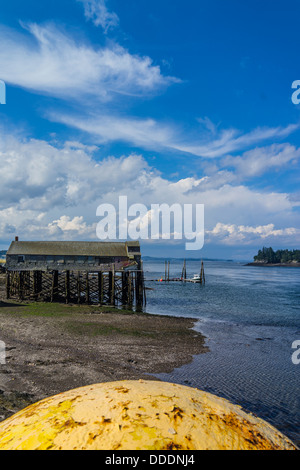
pixel 268 255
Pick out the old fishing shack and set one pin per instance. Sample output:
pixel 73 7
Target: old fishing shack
pixel 75 272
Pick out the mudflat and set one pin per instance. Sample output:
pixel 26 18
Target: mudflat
pixel 52 348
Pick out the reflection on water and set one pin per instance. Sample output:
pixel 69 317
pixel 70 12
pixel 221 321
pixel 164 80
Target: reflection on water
pixel 250 317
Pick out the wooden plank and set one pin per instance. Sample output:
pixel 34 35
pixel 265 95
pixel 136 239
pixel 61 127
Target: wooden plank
pixel 139 289
pixel 125 288
pixel 7 284
pixel 54 291
pixel 100 288
pixel 78 288
pixel 87 286
pixel 39 282
pixel 67 286
pixel 20 285
pixel 34 287
pixel 129 290
pixel 112 287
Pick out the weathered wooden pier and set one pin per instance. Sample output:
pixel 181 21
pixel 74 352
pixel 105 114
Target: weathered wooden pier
pixel 196 279
pixel 101 273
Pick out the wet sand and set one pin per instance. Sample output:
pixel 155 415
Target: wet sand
pixel 52 348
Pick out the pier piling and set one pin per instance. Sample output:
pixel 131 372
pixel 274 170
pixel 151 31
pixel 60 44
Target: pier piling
pixel 103 288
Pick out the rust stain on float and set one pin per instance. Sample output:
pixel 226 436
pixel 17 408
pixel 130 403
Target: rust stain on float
pixel 153 416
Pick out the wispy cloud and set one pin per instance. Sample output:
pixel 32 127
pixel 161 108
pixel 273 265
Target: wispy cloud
pixel 153 134
pixel 97 11
pixel 232 140
pixel 49 61
pixel 146 133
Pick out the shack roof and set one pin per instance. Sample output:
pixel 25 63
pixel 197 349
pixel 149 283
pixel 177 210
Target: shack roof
pixel 102 249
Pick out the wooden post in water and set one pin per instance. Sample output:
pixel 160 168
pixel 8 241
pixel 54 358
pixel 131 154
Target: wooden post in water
pixel 168 271
pixel 183 274
pixel 165 271
pixel 202 274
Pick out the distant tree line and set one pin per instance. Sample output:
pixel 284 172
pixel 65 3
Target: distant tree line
pixel 3 252
pixel 268 255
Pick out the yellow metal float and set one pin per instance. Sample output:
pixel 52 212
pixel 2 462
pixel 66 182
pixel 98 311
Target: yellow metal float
pixel 138 415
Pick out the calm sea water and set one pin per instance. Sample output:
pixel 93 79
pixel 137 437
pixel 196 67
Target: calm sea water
pixel 250 317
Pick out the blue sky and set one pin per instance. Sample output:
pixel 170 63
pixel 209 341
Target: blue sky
pixel 162 101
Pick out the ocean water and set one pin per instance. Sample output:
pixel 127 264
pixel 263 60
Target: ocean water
pixel 250 317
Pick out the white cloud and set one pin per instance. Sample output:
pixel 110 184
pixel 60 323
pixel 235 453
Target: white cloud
pixel 257 161
pixel 50 61
pixel 39 175
pixel 53 192
pixel 231 234
pixel 97 11
pixel 65 225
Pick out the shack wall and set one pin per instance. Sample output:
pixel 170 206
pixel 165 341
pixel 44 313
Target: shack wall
pixel 72 263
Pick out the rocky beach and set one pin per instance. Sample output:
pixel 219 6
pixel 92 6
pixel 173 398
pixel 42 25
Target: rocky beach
pixel 52 348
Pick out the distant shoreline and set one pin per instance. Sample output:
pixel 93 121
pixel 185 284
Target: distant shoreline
pixel 270 265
